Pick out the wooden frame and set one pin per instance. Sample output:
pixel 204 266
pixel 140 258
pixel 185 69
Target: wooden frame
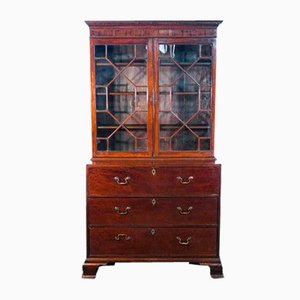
pixel 152 33
pixel 203 154
pixel 124 41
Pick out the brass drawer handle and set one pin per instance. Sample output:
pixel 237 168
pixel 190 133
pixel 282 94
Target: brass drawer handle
pixel 182 242
pixel 185 182
pixel 123 236
pixel 125 212
pixel 187 212
pixel 126 179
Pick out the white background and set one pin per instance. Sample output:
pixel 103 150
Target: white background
pixel 46 142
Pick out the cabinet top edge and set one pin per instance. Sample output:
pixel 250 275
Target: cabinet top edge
pixel 201 23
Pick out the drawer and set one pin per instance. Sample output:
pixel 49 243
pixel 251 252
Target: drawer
pixel 153 211
pixel 166 181
pixel 118 181
pixel 188 181
pixel 152 242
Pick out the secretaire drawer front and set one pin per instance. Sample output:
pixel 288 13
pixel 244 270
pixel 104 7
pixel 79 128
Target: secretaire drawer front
pixel 153 211
pixel 152 242
pixel 116 182
pixel 188 181
pixel 161 181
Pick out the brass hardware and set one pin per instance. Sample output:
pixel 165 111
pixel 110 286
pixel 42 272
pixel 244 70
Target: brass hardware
pixel 153 201
pixel 153 171
pixel 126 179
pixel 185 182
pixel 125 212
pixel 123 236
pixel 184 243
pixel 187 212
pixel 152 231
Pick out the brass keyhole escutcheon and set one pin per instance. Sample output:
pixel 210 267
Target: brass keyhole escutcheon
pixel 153 201
pixel 152 231
pixel 153 171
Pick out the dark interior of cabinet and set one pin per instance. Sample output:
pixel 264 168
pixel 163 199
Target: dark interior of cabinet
pixel 121 89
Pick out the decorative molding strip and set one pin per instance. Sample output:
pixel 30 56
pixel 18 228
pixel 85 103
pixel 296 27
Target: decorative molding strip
pixel 140 32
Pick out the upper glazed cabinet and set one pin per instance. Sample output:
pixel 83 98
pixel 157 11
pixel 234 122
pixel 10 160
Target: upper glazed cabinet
pixel 153 96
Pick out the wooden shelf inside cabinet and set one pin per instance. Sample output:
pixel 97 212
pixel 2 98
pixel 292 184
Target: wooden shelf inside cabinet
pixel 125 125
pixel 162 63
pixel 144 126
pixel 153 187
pixel 128 64
pixel 201 63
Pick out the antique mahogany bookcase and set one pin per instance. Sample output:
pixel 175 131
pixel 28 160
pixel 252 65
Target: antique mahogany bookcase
pixel 153 188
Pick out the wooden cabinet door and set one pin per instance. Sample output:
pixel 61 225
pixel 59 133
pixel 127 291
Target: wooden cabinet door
pixel 121 73
pixel 184 92
pixel 127 74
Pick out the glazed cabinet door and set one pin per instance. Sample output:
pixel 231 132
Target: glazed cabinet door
pixel 122 97
pixel 184 92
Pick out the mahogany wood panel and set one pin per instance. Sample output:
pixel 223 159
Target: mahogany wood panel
pixel 152 211
pixel 141 182
pixel 143 242
pixel 152 162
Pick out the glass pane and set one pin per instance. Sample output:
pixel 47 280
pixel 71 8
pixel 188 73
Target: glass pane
pixel 106 119
pixel 101 99
pixel 201 119
pixel 185 97
pixel 104 131
pixel 141 144
pixel 186 84
pixel 168 72
pixel 169 124
pixel 206 50
pixel 120 105
pixel 102 145
pixel 205 144
pixel 141 51
pixel 205 100
pixel 186 53
pixel 136 125
pixel 185 140
pixel 120 53
pixel 121 84
pixel 100 51
pixel 201 75
pixel 141 99
pixel 164 144
pixel 185 105
pixel 137 74
pixel 105 74
pixel 165 98
pixel 121 97
pixel 121 141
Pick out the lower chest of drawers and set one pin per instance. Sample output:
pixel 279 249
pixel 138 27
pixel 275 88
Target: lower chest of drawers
pixel 145 214
pixel 153 212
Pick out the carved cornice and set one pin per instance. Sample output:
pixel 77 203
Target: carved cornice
pixel 137 32
pixel 153 29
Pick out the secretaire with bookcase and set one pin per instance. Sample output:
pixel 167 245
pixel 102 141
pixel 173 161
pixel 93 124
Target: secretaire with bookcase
pixel 153 187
